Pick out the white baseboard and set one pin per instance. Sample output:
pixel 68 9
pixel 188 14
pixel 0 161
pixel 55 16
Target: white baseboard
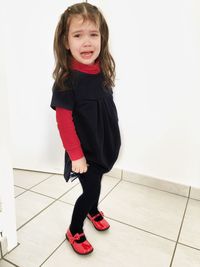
pixel 164 185
pixel 156 183
pixel 116 173
pixel 195 193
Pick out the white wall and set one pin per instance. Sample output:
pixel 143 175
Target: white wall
pixel 156 48
pixel 7 205
pixel 36 144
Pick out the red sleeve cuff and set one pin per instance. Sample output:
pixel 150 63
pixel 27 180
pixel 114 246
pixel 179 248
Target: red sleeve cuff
pixel 68 133
pixel 76 153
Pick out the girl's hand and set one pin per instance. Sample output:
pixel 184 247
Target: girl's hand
pixel 79 165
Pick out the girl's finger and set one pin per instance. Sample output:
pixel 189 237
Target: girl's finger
pixel 75 170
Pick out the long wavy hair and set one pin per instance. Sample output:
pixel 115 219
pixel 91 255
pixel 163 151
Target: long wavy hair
pixel 62 55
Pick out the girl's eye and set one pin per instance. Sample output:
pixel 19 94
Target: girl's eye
pixel 94 34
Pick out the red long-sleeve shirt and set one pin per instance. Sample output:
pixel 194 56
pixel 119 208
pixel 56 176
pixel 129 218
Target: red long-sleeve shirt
pixel 68 133
pixel 64 118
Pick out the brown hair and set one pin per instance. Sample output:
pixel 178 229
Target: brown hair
pixel 62 55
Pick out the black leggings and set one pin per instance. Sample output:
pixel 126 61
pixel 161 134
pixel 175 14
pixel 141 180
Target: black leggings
pixel 88 201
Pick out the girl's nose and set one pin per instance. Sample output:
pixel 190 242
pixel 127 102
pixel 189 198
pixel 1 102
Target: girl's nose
pixel 87 42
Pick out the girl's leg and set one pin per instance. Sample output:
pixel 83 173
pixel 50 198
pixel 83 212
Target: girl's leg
pixel 91 185
pixel 94 210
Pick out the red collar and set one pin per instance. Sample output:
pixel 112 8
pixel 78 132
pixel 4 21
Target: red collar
pixel 91 69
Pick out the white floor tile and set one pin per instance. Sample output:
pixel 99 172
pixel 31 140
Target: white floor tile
pixel 155 211
pixel 41 236
pixel 28 205
pixel 5 264
pixel 72 195
pixel 190 234
pixel 107 184
pixel 186 257
pixel 18 191
pixel 121 246
pixel 195 193
pixel 54 187
pixel 27 179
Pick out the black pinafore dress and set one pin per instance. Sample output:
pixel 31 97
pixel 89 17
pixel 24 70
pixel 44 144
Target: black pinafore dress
pixel 95 118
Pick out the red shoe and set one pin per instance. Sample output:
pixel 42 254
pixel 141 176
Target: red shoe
pixel 101 225
pixel 82 248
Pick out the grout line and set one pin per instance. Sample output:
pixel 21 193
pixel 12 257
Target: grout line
pixel 121 179
pixel 40 182
pixel 30 170
pixel 194 199
pixel 157 180
pixel 185 245
pixel 38 193
pixel 107 174
pixel 101 199
pixel 52 253
pixel 110 191
pixel 66 202
pixel 112 176
pixel 20 187
pixel 157 189
pixel 68 191
pixel 27 189
pixel 12 249
pixel 1 254
pixel 141 229
pixel 189 191
pixel 20 194
pixel 10 262
pixel 46 207
pixel 179 233
pixel 41 194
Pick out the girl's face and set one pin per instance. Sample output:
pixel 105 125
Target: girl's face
pixel 84 40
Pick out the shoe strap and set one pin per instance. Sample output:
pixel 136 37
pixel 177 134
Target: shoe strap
pixel 77 236
pixel 97 215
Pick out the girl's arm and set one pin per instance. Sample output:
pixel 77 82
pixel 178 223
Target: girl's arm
pixel 70 139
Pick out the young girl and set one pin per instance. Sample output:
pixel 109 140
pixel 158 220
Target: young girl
pixel 85 112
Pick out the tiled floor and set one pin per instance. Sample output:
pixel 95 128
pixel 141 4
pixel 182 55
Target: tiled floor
pixel 149 227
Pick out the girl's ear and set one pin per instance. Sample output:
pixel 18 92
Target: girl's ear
pixel 66 46
pixel 66 43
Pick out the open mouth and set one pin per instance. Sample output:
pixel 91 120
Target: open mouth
pixel 87 54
